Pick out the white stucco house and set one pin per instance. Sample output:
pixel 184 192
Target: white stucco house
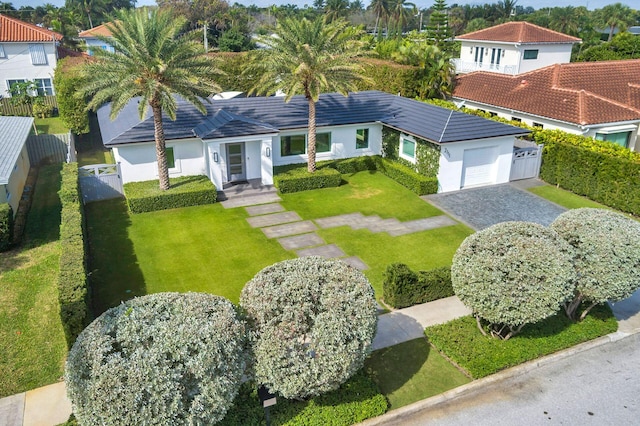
pixel 27 52
pixel 513 48
pixel 595 99
pixel 90 38
pixel 14 159
pixel 244 138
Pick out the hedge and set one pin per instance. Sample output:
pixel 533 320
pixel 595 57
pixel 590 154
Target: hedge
pixel 403 287
pixel 299 179
pixel 72 280
pixel 405 176
pixel 184 191
pixel 6 226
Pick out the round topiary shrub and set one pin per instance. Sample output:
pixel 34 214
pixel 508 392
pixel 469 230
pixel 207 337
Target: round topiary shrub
pixel 607 255
pixel 512 274
pixel 166 358
pixel 314 321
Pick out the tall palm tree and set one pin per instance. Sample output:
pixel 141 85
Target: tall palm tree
pixel 151 62
pixel 381 9
pixel 309 57
pixel 565 20
pixel 402 11
pixel 336 9
pixel 614 16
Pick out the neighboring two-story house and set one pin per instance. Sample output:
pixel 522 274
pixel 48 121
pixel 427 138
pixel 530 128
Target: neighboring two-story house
pixel 90 37
pixel 27 52
pixel 513 48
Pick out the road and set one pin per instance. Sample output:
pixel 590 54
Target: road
pixel 600 386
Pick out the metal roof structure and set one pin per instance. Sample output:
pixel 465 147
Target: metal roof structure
pixel 261 115
pixel 13 136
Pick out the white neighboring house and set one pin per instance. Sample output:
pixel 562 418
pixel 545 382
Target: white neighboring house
pixel 244 138
pixel 595 99
pixel 91 40
pixel 513 48
pixel 27 52
pixel 14 159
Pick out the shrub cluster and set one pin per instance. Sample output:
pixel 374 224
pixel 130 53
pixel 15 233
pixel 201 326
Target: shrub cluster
pixel 391 77
pixel 184 192
pixel 73 109
pixel 6 226
pixel 403 287
pixel 299 179
pixel 72 282
pixel 407 177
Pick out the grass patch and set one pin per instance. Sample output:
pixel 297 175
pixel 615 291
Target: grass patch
pixel 90 148
pixel 461 341
pixel 33 345
pixel 565 198
pixel 411 371
pixel 50 125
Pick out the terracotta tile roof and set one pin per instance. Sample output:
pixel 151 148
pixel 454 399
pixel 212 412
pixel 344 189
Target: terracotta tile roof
pixel 519 32
pixel 582 93
pixel 12 29
pixel 101 30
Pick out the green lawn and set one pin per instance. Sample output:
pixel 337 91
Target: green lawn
pixel 51 125
pixel 565 198
pixel 90 148
pixel 33 346
pixel 412 371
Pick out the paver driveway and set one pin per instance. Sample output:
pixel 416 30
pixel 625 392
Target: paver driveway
pixel 488 205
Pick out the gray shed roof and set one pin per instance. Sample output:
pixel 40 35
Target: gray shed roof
pixel 260 115
pixel 13 136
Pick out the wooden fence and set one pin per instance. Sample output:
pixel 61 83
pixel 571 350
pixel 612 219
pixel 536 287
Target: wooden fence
pixel 49 148
pixel 6 108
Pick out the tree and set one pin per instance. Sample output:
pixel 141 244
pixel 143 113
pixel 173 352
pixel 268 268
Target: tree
pixel 507 8
pixel 313 320
pixel 512 274
pixel 614 16
pixel 565 20
pixel 623 46
pixel 607 256
pixel 234 40
pixel 309 57
pixel 381 9
pixel 476 24
pixel 73 109
pixel 401 11
pixel 436 72
pixel 167 358
pixel 336 9
pixel 438 29
pixel 151 62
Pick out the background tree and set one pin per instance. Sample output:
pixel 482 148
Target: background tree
pixel 512 274
pixel 167 358
pixel 614 16
pixel 313 320
pixel 438 29
pixel 565 20
pixel 607 256
pixel 381 9
pixel 476 24
pixel 154 63
pixel 309 57
pixel 623 46
pixel 401 12
pixel 336 9
pixel 507 8
pixel 436 72
pixel 73 109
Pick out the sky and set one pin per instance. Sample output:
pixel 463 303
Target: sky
pixel 536 4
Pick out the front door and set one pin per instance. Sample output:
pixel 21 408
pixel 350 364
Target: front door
pixel 235 162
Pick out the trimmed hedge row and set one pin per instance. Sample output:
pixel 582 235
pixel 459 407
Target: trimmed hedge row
pixel 405 176
pixel 403 287
pixel 72 280
pixel 6 226
pixel 299 179
pixel 184 191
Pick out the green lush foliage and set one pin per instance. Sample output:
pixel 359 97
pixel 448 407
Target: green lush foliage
pixel 72 283
pixel 72 109
pixel 313 321
pixel 390 77
pixel 299 179
pixel 185 191
pixel 481 356
pixel 427 153
pixel 403 287
pixel 405 176
pixel 234 40
pixel 6 226
pixel 354 401
pixel 167 358
pixel 623 46
pixel 513 273
pixel 607 254
pixel 233 77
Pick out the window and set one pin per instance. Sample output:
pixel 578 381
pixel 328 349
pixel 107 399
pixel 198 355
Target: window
pixel 408 149
pixel 519 120
pixel 44 86
pixel 10 83
pixel 171 159
pixel 493 114
pixel 323 142
pixel 538 125
pixel 362 138
pixel 38 55
pixel 2 54
pixel 530 54
pixel 293 145
pixel 620 138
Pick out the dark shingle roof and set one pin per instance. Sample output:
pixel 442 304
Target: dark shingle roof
pixel 260 115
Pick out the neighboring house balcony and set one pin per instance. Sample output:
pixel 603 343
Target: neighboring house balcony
pixel 464 67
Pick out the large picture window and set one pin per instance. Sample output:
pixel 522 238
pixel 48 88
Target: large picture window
pixel 293 145
pixel 44 86
pixel 620 138
pixel 323 142
pixel 362 138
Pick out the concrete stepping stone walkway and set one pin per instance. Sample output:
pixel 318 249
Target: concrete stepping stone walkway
pixel 392 226
pixel 273 219
pixel 301 241
pixel 264 209
pixel 329 251
pixel 288 229
pixel 250 200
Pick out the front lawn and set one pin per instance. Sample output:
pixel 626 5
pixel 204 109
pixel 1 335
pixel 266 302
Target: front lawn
pixel 50 125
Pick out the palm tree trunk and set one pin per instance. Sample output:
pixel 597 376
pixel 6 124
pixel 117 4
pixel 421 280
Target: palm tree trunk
pixel 161 152
pixel 375 27
pixel 311 149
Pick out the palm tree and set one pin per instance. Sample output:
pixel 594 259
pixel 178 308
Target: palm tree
pixel 402 11
pixel 436 70
pixel 336 9
pixel 309 57
pixel 151 62
pixel 381 9
pixel 614 16
pixel 565 20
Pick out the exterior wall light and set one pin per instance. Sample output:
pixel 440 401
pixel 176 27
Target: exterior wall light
pixel 215 157
pixel 267 152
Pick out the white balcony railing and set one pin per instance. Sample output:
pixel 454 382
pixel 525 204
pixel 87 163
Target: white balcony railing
pixel 466 67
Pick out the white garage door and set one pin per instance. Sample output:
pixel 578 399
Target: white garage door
pixel 479 166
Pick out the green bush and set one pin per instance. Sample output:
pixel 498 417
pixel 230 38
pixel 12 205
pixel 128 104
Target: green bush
pixel 6 226
pixel 390 77
pixel 402 287
pixel 405 176
pixel 299 179
pixel 72 109
pixel 185 191
pixel 72 281
pixel 352 165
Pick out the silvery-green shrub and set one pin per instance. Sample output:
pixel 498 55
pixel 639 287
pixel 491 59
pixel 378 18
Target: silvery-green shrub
pixel 607 255
pixel 512 274
pixel 161 359
pixel 314 320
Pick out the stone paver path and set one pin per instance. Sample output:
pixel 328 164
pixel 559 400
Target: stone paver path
pixel 264 209
pixel 392 226
pixel 355 262
pixel 300 241
pixel 288 229
pixel 329 251
pixel 273 219
pixel 251 200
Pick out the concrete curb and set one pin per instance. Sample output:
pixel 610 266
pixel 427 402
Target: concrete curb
pixel 478 385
